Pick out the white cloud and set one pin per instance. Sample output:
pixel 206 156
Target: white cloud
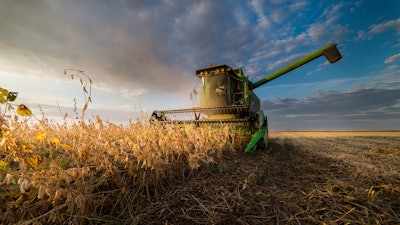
pixel 379 28
pixel 392 58
pixel 316 31
pixel 128 93
pixel 327 28
pixel 382 27
pixel 263 21
pixel 298 5
pixel 361 35
pixel 332 14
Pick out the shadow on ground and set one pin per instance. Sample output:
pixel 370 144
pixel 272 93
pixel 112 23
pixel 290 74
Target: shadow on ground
pixel 293 181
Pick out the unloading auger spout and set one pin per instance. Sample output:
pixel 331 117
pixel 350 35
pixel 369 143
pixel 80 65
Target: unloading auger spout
pixel 330 52
pixel 227 97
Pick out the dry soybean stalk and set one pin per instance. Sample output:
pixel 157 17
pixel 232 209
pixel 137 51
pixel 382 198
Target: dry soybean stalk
pixel 85 81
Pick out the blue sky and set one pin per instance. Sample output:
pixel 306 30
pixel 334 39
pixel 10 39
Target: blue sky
pixel 141 56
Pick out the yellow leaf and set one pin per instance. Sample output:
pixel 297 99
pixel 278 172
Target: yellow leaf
pixel 40 136
pixel 26 148
pixel 3 95
pixel 67 147
pixel 22 110
pixel 34 160
pixel 4 165
pixel 55 141
pixel 3 91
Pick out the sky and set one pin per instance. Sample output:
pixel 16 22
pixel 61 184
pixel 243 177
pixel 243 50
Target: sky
pixel 142 56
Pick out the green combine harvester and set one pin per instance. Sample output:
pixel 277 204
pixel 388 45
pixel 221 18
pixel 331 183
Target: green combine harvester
pixel 227 97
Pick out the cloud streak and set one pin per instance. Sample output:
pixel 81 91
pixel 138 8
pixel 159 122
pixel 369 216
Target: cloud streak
pixel 379 28
pixel 392 58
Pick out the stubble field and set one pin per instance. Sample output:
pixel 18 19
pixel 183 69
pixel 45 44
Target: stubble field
pixel 99 173
pixel 302 178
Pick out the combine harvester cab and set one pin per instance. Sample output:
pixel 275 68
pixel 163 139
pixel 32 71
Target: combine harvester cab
pixel 227 97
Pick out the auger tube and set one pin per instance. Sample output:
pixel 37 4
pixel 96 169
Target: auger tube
pixel 330 51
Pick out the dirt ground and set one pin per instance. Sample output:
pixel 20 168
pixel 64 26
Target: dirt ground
pixel 301 178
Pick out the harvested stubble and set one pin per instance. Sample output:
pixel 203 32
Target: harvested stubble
pixel 102 173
